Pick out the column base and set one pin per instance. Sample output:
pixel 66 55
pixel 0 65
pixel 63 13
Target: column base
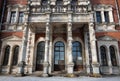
pixel 95 75
pixel 70 75
pixel 70 68
pixel 19 75
pixel 96 71
pixel 45 75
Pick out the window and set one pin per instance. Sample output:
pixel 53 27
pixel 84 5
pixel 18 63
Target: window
pixel 113 56
pixel 76 51
pixel 21 17
pixel 98 16
pixel 40 52
pixel 59 2
pixel 73 2
pixel 6 55
pixel 59 50
pixel 103 56
pixel 15 56
pixel 12 18
pixel 106 16
pixel 44 2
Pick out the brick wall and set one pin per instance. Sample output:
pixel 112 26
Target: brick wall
pixel 22 2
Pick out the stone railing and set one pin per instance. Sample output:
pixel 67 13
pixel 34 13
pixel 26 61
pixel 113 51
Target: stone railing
pixel 59 9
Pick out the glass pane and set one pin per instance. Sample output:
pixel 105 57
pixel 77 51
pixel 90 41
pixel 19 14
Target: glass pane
pixel 73 49
pixel 61 55
pixel 56 48
pixel 61 48
pixel 56 61
pixel 74 55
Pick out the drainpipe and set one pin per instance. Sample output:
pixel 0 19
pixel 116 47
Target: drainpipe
pixel 118 11
pixel 3 11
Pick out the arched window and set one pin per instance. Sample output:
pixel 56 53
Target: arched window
pixel 59 50
pixel 103 56
pixel 76 51
pixel 15 55
pixel 113 56
pixel 40 55
pixel 59 2
pixel 6 55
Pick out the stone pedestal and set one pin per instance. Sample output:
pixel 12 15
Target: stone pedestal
pixel 70 68
pixel 45 70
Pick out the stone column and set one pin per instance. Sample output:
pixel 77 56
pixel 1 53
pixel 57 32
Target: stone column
pixel 69 48
pixel 86 50
pixel 92 39
pixel 10 60
pixel 46 64
pixel 109 61
pixel 50 52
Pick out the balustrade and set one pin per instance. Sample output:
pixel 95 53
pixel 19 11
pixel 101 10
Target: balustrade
pixel 59 9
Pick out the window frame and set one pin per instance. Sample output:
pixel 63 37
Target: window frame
pixel 15 55
pixel 106 16
pixel 104 61
pixel 6 55
pixel 113 56
pixel 98 17
pixel 13 17
pixel 21 18
pixel 40 52
pixel 78 49
pixel 59 51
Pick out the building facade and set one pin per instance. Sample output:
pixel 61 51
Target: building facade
pixel 60 36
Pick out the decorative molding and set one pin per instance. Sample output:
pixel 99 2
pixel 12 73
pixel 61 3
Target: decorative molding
pixel 12 38
pixel 107 38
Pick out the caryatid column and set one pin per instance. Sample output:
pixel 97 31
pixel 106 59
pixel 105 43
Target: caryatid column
pixel 47 38
pixel 69 48
pixel 95 64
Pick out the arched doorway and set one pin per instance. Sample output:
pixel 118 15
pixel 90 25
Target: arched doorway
pixel 59 56
pixel 77 56
pixel 40 56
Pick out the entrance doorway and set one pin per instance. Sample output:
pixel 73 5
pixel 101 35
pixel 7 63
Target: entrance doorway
pixel 59 56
